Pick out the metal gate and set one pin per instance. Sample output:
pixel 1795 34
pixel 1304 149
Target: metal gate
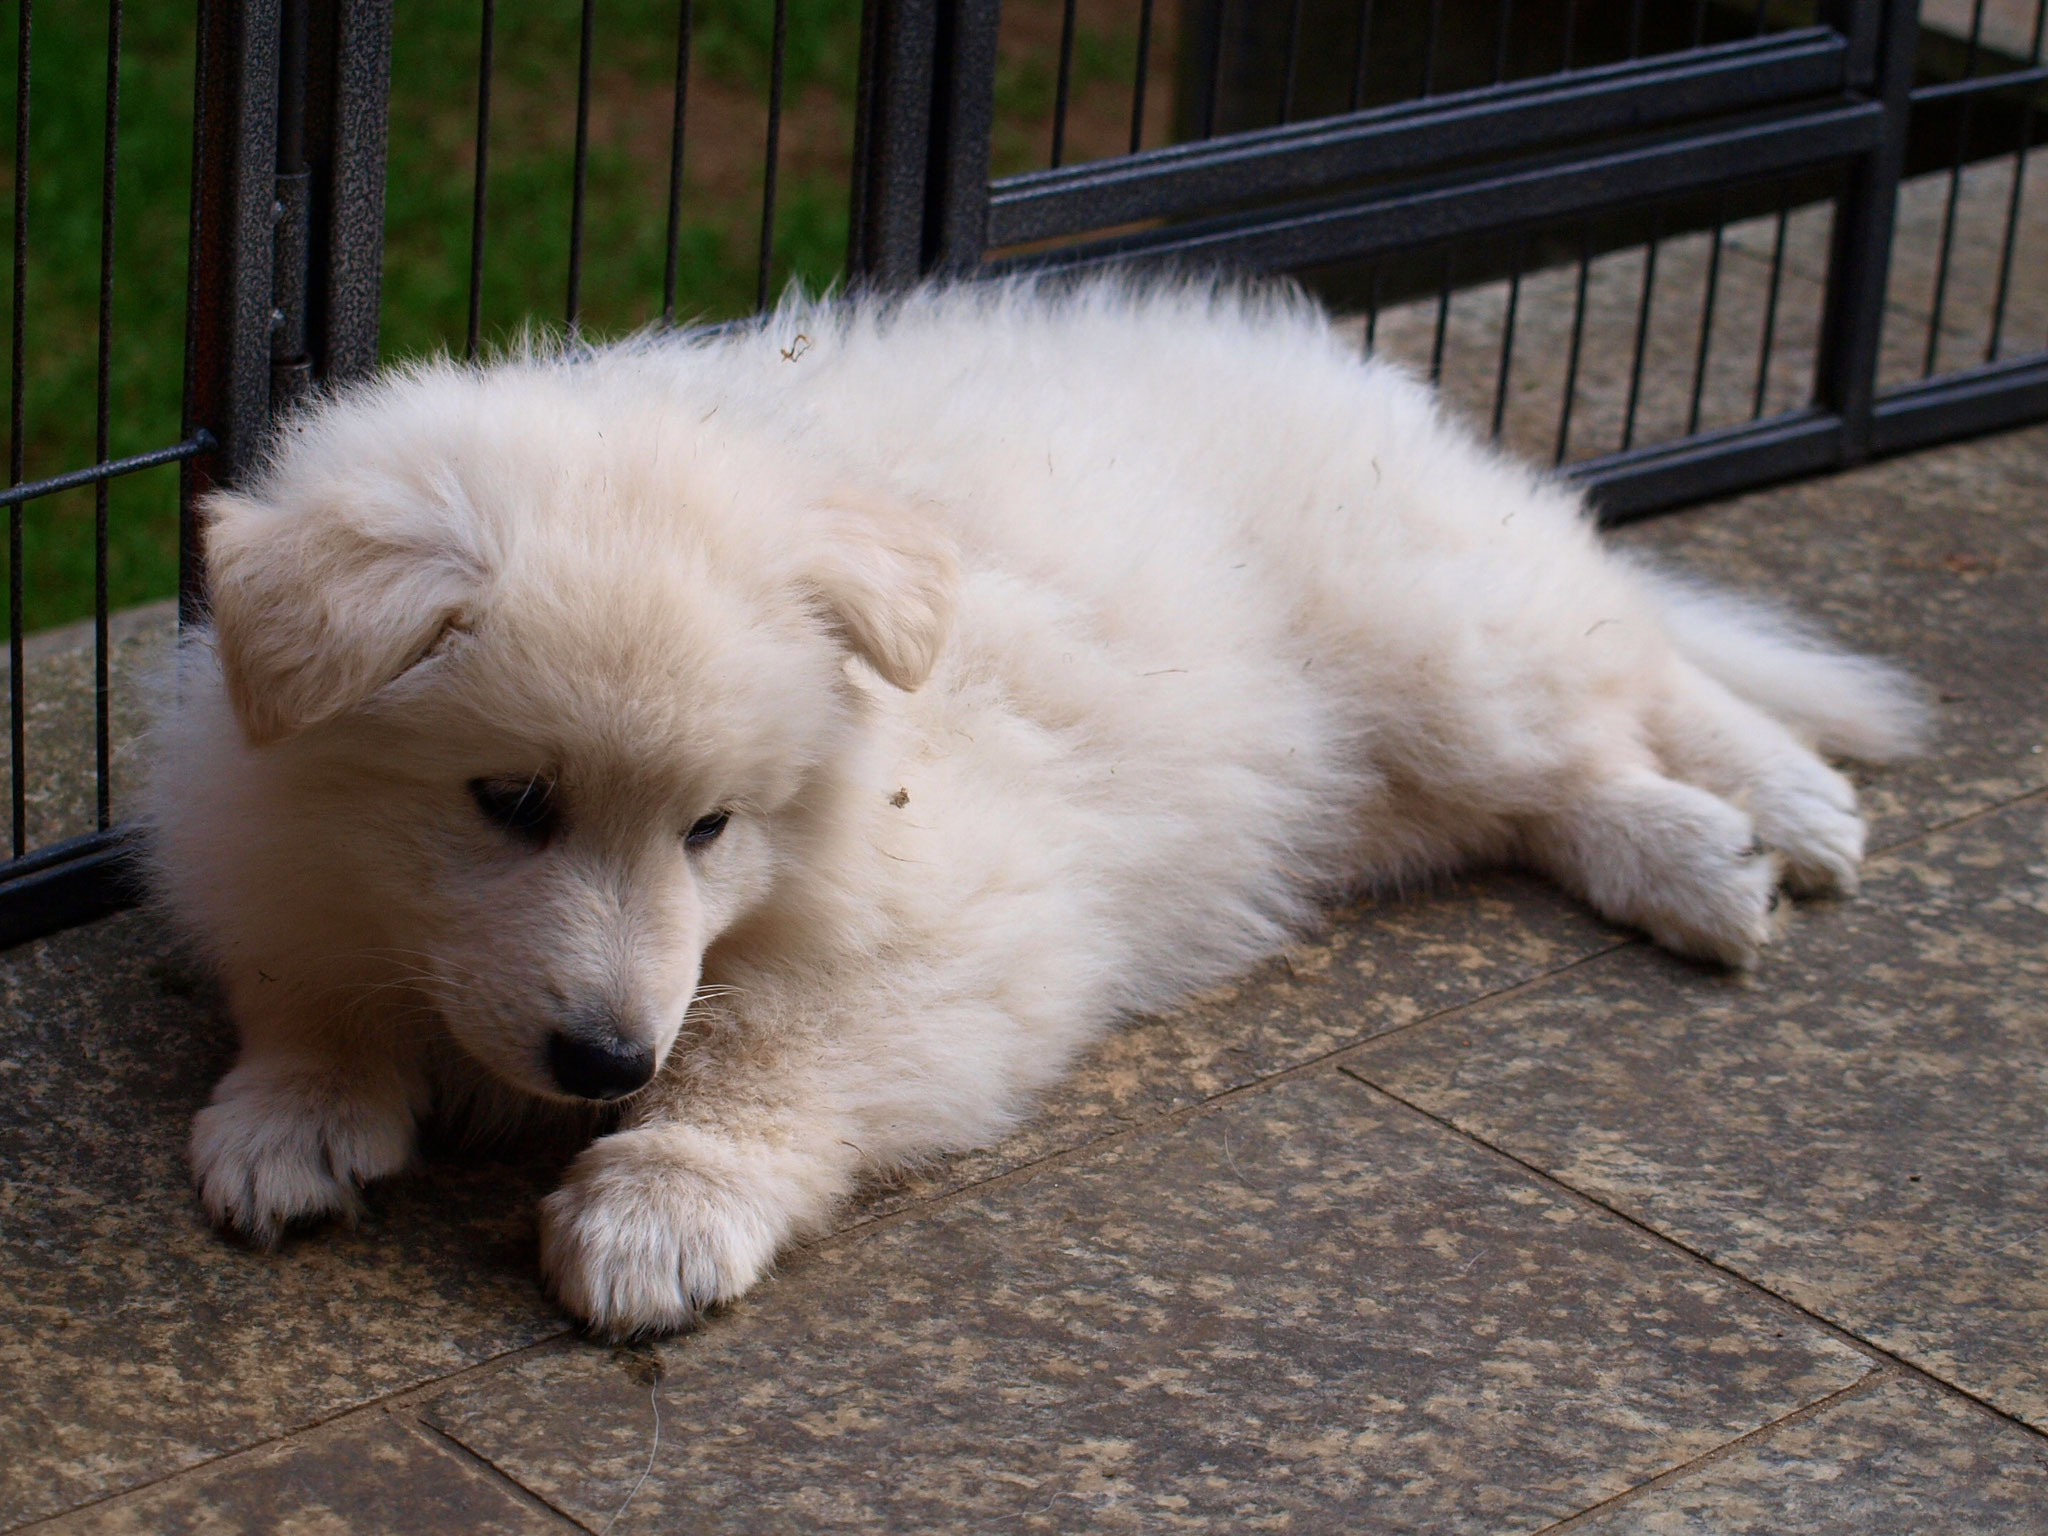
pixel 1500 173
pixel 1418 162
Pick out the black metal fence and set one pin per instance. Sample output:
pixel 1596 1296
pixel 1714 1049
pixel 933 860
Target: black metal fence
pixel 1678 249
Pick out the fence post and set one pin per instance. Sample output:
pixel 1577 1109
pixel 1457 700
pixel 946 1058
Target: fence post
pixel 1859 266
pixel 921 139
pixel 287 225
pixel 963 113
pixel 348 93
pixel 228 306
pixel 892 138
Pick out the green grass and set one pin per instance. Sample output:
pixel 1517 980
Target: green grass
pixel 427 211
pixel 67 108
pixel 533 134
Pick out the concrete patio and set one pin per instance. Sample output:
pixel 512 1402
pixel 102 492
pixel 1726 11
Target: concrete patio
pixel 1472 1215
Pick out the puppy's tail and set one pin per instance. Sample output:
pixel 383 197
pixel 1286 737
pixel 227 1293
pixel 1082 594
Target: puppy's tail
pixel 1846 704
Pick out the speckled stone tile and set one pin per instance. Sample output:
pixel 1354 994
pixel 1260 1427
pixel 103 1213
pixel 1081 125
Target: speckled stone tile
pixel 134 1341
pixel 1377 966
pixel 1940 560
pixel 1901 1457
pixel 367 1479
pixel 58 718
pixel 1862 1127
pixel 1310 1309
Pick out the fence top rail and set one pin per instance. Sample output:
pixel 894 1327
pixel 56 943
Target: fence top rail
pixel 1407 136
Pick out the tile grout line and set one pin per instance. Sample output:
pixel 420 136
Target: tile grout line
pixel 1841 1334
pixel 1197 1108
pixel 394 1402
pixel 1957 823
pixel 1624 941
pixel 314 1431
pixel 446 1444
pixel 402 1399
pixel 1870 1381
pixel 1191 1110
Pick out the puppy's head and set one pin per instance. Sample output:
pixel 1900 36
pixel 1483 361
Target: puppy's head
pixel 558 680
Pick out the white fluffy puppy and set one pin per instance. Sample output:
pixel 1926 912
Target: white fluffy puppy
pixel 815 734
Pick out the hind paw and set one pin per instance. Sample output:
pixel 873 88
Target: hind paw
pixel 1713 903
pixel 1668 858
pixel 1812 822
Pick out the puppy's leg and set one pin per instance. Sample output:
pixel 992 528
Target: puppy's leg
pixel 1802 808
pixel 1669 858
pixel 688 1206
pixel 303 1121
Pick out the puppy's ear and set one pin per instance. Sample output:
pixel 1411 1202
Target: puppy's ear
pixel 887 574
pixel 313 611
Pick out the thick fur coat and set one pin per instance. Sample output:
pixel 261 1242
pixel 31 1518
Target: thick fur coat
pixel 842 720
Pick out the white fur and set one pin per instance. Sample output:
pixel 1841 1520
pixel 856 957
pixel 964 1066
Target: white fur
pixel 1056 652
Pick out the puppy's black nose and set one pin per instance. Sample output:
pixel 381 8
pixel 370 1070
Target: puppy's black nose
pixel 600 1067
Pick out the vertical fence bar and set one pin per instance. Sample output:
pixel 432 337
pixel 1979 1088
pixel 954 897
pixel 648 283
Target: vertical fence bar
pixel 1644 312
pixel 1706 341
pixel 1571 366
pixel 227 329
pixel 580 166
pixel 778 59
pixel 1443 323
pixel 963 121
pixel 1859 263
pixel 1144 70
pixel 102 437
pixel 893 125
pixel 2012 209
pixel 1291 70
pixel 486 48
pixel 1360 56
pixel 17 715
pixel 1770 333
pixel 291 365
pixel 1965 110
pixel 1213 98
pixel 1372 308
pixel 1063 86
pixel 1507 339
pixel 348 89
pixel 672 234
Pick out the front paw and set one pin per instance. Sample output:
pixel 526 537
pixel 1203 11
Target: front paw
pixel 654 1225
pixel 286 1142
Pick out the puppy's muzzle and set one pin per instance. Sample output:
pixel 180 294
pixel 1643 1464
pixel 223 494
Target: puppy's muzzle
pixel 592 1061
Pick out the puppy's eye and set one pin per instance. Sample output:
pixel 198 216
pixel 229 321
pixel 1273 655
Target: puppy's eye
pixel 523 807
pixel 705 829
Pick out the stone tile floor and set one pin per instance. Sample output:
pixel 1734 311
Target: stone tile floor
pixel 1468 1215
